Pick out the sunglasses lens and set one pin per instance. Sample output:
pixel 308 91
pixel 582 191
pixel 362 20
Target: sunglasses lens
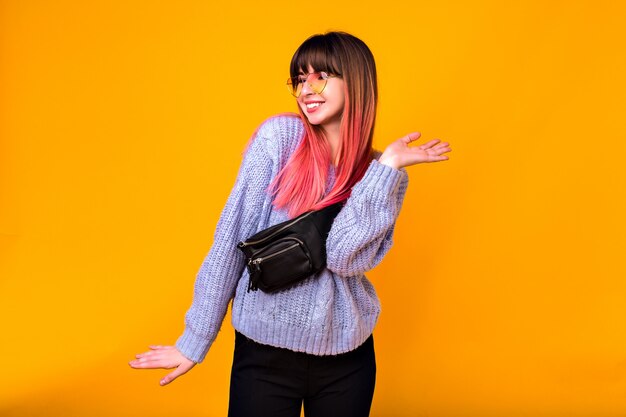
pixel 294 86
pixel 315 81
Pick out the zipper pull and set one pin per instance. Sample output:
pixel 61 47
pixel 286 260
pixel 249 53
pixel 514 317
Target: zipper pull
pixel 256 265
pixel 254 269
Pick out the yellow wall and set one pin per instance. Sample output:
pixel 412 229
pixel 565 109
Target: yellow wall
pixel 121 128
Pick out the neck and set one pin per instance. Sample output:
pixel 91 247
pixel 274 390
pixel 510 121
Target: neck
pixel 333 135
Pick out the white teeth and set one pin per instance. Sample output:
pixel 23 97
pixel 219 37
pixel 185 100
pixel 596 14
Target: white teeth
pixel 313 105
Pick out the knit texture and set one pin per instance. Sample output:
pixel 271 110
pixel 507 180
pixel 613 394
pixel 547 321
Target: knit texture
pixel 330 313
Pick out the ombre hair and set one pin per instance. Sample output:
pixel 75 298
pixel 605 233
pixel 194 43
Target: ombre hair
pixel 301 184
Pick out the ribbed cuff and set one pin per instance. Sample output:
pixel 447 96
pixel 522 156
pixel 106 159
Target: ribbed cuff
pixel 192 346
pixel 380 181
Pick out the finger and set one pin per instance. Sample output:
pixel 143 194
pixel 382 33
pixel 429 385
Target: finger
pixel 150 358
pixel 144 354
pixel 429 144
pixel 149 365
pixel 150 352
pixel 439 151
pixel 411 137
pixel 438 158
pixel 144 364
pixel 182 369
pixel 152 362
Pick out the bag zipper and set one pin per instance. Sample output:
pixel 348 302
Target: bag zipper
pixel 260 259
pixel 243 244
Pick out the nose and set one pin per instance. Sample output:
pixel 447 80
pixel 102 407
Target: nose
pixel 307 89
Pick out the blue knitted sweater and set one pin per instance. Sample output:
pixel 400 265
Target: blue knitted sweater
pixel 333 312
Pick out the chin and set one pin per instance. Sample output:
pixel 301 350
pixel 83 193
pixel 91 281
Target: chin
pixel 314 121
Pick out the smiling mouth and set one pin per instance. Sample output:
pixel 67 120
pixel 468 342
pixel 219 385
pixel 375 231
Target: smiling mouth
pixel 313 105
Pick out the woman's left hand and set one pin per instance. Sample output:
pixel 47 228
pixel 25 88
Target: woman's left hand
pixel 399 154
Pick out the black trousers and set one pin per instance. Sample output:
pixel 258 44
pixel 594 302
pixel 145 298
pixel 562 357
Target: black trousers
pixel 272 382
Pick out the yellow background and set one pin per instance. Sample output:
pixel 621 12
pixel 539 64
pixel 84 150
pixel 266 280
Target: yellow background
pixel 121 129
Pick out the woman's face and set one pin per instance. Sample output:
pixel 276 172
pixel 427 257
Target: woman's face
pixel 326 108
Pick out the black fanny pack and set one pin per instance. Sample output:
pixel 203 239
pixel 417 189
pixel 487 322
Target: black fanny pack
pixel 284 254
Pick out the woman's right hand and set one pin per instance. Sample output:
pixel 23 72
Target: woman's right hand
pixel 166 357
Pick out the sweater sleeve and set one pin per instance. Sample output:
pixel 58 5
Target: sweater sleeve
pixel 362 232
pixel 222 267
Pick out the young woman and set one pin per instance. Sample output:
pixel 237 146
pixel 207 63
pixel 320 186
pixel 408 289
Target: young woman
pixel 311 343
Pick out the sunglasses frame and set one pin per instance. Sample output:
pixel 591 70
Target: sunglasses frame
pixel 300 82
